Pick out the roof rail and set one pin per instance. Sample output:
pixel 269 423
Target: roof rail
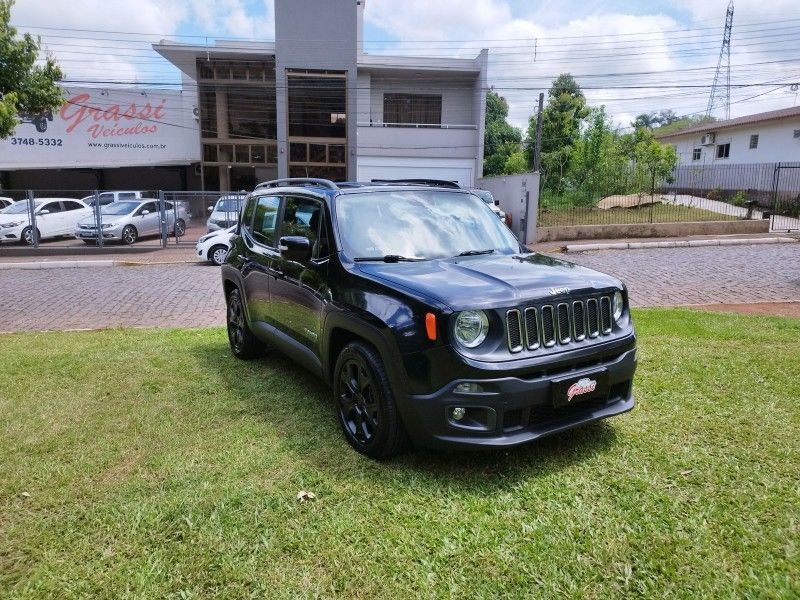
pixel 431 182
pixel 326 183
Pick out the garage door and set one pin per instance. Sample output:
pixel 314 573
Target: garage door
pixel 460 170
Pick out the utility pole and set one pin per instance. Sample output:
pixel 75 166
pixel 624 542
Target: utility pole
pixel 537 152
pixel 722 97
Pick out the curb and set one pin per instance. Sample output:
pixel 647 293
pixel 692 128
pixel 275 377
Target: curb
pixel 677 244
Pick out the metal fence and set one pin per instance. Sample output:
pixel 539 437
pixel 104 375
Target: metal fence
pixel 108 219
pixel 715 192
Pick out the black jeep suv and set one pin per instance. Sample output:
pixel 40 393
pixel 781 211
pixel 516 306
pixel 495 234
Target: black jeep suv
pixel 425 315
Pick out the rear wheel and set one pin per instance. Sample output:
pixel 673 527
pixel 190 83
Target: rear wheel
pixel 180 228
pixel 243 343
pixel 367 410
pixel 217 254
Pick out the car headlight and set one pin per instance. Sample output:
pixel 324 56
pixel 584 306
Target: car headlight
pixel 471 328
pixel 617 305
pixel 13 224
pixel 109 225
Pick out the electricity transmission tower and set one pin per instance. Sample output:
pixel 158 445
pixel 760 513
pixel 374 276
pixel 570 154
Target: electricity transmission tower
pixel 721 92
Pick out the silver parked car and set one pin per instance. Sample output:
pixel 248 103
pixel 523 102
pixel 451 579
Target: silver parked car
pixel 129 220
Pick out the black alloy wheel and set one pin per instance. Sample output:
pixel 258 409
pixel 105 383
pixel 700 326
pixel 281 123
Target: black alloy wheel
pixel 365 402
pixel 180 228
pixel 129 234
pixel 243 343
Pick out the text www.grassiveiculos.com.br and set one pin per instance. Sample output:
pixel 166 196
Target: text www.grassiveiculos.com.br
pixel 130 146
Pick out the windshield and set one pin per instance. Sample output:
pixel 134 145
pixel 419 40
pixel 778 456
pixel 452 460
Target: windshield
pixel 18 208
pixel 119 208
pixel 421 224
pixel 228 205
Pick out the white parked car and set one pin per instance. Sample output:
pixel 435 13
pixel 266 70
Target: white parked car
pixel 129 220
pixel 54 217
pixel 487 197
pixel 214 246
pixel 109 197
pixel 225 212
pixel 5 202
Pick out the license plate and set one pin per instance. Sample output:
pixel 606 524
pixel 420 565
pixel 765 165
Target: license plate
pixel 572 390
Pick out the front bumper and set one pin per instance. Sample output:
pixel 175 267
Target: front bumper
pixel 110 233
pixel 516 410
pixel 11 234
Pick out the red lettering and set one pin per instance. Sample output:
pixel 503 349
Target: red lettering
pixel 112 113
pixel 146 111
pixel 77 110
pixel 159 112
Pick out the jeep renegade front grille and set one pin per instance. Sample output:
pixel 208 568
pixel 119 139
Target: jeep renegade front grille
pixel 558 324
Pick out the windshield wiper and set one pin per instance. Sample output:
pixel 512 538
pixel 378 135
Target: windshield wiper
pixel 389 258
pixel 476 252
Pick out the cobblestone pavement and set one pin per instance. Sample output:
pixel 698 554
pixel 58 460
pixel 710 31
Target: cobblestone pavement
pixel 190 295
pixel 147 296
pixel 706 275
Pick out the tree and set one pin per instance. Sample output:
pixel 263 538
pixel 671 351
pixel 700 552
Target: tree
pixel 561 129
pixel 25 87
pixel 655 119
pixel 684 123
pixel 500 138
pixel 516 163
pixel 656 159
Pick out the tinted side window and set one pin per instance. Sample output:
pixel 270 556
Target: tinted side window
pixel 127 195
pixel 52 207
pixel 298 215
pixel 72 206
pixel 247 216
pixel 266 220
pixel 151 206
pixel 106 198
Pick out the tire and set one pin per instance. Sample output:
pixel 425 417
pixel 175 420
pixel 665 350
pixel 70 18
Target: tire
pixel 180 228
pixel 26 237
pixel 40 124
pixel 244 344
pixel 365 403
pixel 129 234
pixel 217 254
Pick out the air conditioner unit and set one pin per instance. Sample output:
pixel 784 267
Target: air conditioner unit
pixel 708 139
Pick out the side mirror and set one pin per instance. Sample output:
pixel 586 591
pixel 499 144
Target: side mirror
pixel 44 212
pixel 145 212
pixel 211 208
pixel 497 202
pixel 295 248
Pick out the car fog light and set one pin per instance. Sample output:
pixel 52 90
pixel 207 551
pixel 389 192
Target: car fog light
pixel 458 413
pixel 617 305
pixel 468 388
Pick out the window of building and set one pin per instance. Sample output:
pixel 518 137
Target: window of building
pixel 754 141
pixel 697 153
pixel 412 109
pixel 723 150
pixel 314 100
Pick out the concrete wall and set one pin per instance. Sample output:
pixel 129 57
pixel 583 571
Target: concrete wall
pixel 513 191
pixel 776 143
pixel 317 35
pixel 648 230
pixel 456 93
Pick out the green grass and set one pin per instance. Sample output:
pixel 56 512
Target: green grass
pixel 658 213
pixel 160 467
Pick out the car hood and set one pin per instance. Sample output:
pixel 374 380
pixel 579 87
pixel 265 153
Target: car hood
pixel 491 281
pixel 224 216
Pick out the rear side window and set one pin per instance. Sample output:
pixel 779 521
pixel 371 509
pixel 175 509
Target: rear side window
pixel 127 195
pixel 266 219
pixel 72 205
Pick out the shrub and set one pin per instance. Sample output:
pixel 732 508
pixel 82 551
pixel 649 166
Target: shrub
pixel 739 198
pixel 716 194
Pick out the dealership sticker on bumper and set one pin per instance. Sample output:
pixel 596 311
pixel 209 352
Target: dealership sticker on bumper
pixel 572 390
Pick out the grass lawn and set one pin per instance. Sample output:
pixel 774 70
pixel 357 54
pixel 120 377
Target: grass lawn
pixel 159 466
pixel 660 213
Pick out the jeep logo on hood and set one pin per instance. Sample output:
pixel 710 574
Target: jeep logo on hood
pixel 555 291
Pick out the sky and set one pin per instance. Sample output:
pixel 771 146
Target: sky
pixel 627 55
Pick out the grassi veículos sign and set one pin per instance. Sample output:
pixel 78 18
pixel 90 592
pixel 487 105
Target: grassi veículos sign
pixel 98 128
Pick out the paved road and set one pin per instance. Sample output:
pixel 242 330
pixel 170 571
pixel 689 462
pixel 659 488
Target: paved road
pixel 190 295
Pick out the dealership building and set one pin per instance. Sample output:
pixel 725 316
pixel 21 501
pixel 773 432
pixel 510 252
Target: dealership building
pixel 311 104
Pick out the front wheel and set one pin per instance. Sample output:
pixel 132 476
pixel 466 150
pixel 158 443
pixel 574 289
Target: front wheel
pixel 27 236
pixel 367 410
pixel 129 234
pixel 217 254
pixel 243 343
